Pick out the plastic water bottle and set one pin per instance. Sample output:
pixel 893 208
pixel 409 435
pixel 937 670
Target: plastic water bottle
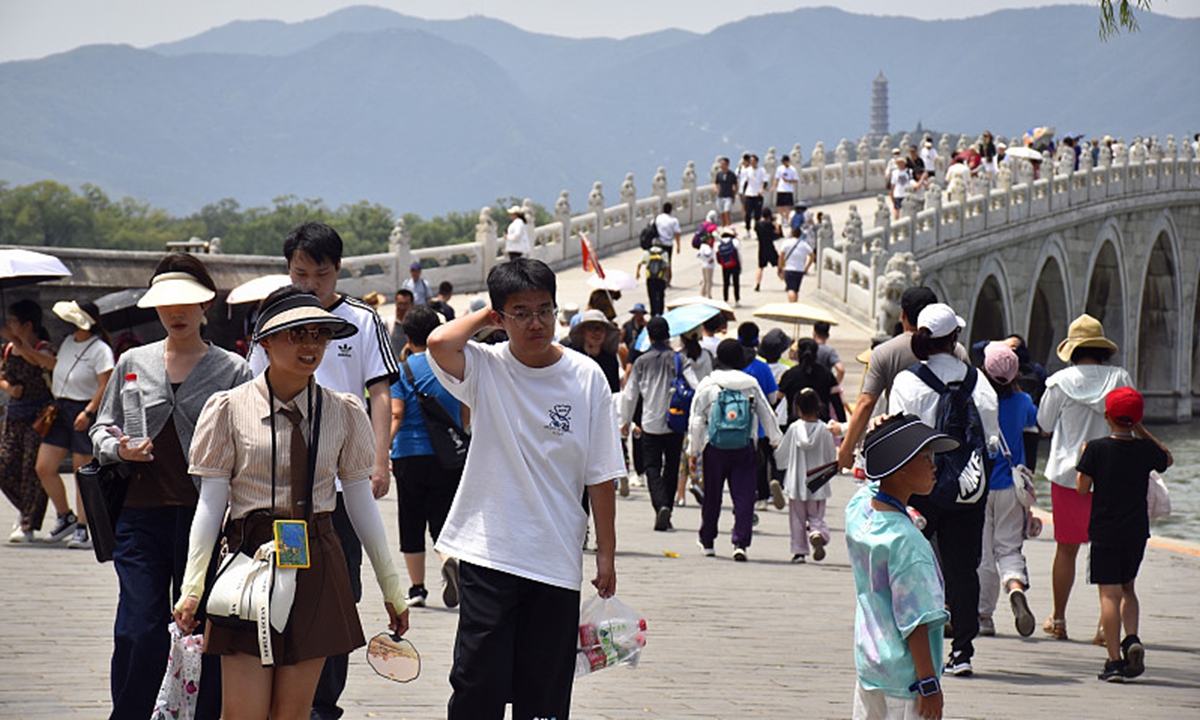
pixel 135 411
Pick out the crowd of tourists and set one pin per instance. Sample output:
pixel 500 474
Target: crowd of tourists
pixel 511 427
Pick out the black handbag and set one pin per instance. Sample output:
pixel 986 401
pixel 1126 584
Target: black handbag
pixel 103 488
pixel 450 442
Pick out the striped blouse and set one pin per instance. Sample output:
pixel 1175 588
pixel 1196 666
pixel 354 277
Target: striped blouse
pixel 233 441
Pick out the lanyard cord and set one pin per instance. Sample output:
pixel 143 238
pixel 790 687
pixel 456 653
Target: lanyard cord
pixel 891 500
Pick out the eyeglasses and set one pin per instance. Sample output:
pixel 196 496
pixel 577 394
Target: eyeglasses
pixel 524 319
pixel 318 336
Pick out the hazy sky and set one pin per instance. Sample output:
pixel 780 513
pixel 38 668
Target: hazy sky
pixel 35 28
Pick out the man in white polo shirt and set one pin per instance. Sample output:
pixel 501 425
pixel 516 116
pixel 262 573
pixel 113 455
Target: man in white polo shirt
pixel 360 364
pixel 752 180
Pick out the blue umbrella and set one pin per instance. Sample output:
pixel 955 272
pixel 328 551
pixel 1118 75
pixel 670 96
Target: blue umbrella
pixel 680 320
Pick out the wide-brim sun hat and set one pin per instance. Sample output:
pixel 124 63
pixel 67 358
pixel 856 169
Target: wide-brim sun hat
pixel 299 310
pixel 940 319
pixel 897 441
pixel 69 311
pixel 175 288
pixel 515 210
pixel 612 335
pixel 1085 331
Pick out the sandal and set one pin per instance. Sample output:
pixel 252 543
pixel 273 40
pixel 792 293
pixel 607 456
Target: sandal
pixel 1055 627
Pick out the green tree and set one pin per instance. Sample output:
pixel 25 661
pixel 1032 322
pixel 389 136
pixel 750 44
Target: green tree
pixel 1117 15
pixel 364 227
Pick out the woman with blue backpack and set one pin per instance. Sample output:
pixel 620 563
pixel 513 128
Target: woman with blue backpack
pixel 727 406
pixel 952 397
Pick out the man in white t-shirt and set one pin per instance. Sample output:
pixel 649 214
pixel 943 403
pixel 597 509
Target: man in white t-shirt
pixel 668 234
pixel 787 181
pixel 752 181
pixel 545 429
pixel 929 156
pixel 796 257
pixel 899 180
pixel 360 364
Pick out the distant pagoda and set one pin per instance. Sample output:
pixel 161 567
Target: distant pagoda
pixel 879 109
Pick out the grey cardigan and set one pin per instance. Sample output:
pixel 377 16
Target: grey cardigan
pixel 218 370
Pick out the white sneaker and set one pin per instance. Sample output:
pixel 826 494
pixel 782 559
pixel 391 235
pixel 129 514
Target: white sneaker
pixel 80 540
pixel 638 481
pixel 20 536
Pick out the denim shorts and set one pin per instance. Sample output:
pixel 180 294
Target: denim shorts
pixel 63 433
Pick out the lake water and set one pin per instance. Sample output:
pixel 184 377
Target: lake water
pixel 1183 481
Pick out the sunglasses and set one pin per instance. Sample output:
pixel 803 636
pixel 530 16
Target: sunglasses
pixel 317 336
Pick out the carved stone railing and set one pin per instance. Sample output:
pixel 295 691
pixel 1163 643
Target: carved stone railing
pixel 854 273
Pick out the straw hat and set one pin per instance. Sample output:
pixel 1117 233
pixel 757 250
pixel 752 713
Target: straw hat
pixel 1085 331
pixel 612 335
pixel 299 310
pixel 70 311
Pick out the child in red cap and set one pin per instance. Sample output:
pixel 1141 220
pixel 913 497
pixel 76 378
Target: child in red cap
pixel 1116 470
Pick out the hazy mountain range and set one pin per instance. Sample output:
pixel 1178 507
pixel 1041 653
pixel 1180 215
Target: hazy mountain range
pixel 429 116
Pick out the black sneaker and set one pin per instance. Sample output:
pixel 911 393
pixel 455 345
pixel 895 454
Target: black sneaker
pixel 1114 671
pixel 959 666
pixel 797 559
pixel 697 492
pixel 1135 656
pixel 417 595
pixel 1022 616
pixel 450 578
pixel 818 546
pixel 64 526
pixel 662 520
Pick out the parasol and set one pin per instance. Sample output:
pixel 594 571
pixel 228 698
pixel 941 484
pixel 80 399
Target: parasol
pixel 613 281
pixel 256 289
pixel 679 321
pixel 119 309
pixel 701 300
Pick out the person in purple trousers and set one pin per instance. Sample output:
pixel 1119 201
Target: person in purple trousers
pixel 726 409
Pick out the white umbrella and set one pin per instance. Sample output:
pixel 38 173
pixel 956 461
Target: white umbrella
pixel 25 267
pixel 1023 152
pixel 256 289
pixel 613 281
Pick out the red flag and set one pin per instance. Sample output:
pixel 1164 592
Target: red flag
pixel 591 263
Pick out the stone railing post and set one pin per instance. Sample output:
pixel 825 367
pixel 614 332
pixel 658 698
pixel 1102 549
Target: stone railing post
pixel 485 235
pixel 658 185
pixel 629 200
pixel 400 247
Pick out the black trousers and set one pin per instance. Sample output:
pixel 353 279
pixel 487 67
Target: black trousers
pixel 656 289
pixel 333 675
pixel 732 276
pixel 753 206
pixel 958 534
pixel 764 468
pixel 662 467
pixel 515 643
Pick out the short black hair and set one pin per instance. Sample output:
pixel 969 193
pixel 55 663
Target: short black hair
pixel 657 329
pixel 445 287
pixel 724 160
pixel 716 323
pixel 808 402
pixel 519 275
pixel 746 156
pixel 418 323
pixel 748 333
pixel 821 329
pixel 731 355
pixel 27 311
pixel 186 263
pixel 668 207
pixel 914 300
pixel 405 293
pixel 318 241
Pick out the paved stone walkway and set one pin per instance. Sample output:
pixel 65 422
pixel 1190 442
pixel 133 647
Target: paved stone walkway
pixel 762 639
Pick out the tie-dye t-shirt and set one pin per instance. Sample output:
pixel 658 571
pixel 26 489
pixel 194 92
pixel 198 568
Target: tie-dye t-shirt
pixel 899 588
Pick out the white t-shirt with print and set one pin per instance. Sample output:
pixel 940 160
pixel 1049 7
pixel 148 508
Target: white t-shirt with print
pixel 540 435
pixel 78 367
pixel 787 177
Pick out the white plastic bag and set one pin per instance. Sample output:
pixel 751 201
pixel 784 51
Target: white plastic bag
pixel 181 682
pixel 610 633
pixel 1158 500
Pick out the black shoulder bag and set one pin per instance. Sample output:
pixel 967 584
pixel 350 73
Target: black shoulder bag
pixel 449 440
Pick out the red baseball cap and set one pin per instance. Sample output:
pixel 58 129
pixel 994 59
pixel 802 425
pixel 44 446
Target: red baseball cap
pixel 1124 405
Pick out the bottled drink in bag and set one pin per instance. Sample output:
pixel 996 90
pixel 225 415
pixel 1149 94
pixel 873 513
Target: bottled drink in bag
pixel 135 411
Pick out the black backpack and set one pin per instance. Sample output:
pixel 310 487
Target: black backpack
pixel 449 440
pixel 961 475
pixel 649 236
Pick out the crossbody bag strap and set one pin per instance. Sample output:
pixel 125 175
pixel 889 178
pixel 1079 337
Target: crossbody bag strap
pixel 78 357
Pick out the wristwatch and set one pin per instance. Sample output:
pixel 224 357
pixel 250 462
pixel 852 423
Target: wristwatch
pixel 928 686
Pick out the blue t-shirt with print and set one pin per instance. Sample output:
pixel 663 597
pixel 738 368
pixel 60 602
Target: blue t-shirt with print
pixel 1017 412
pixel 412 438
pixel 898 588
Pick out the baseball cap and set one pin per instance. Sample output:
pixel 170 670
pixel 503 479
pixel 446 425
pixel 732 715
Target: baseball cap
pixel 1124 405
pixel 941 320
pixel 1000 362
pixel 897 440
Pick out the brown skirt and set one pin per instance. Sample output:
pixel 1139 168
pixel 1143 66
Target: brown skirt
pixel 324 620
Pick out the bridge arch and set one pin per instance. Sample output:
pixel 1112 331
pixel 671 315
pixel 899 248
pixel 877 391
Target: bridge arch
pixel 1105 298
pixel 1196 340
pixel 1159 331
pixel 991 309
pixel 1049 305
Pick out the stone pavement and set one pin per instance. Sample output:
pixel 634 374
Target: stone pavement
pixel 762 639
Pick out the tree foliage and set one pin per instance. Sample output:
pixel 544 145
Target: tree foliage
pixel 1117 15
pixel 49 214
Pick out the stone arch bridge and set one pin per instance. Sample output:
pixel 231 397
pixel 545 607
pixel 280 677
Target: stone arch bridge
pixel 1120 242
